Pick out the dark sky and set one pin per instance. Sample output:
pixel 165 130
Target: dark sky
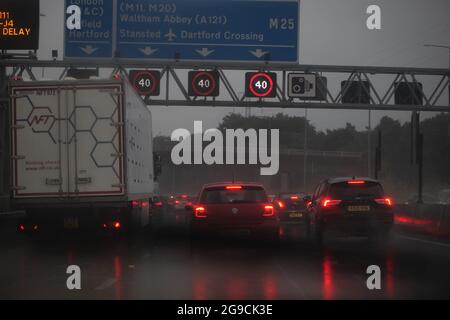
pixel 332 32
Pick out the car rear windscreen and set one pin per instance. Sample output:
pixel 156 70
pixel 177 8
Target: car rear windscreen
pixel 221 195
pixel 344 190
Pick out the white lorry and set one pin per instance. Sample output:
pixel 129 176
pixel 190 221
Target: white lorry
pixel 82 155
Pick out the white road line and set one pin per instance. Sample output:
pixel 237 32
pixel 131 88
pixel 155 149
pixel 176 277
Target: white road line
pixel 106 284
pixel 440 244
pixel 290 280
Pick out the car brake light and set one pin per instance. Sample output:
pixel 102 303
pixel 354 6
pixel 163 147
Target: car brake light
pixel 233 187
pixel 385 201
pixel 356 182
pixel 330 203
pixel 280 204
pixel 268 211
pixel 200 212
pixel 117 225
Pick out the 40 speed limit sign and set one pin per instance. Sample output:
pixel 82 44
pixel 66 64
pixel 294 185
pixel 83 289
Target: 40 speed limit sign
pixel 261 84
pixel 203 83
pixel 146 82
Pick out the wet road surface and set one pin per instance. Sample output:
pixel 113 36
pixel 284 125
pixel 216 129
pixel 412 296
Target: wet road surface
pixel 167 266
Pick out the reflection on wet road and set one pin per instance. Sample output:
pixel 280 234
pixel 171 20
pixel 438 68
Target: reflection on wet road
pixel 167 266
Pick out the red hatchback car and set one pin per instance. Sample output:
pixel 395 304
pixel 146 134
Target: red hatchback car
pixel 235 208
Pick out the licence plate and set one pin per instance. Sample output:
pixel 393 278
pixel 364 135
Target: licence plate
pixel 358 208
pixel 296 215
pixel 71 223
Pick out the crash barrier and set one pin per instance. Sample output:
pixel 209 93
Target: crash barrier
pixel 431 219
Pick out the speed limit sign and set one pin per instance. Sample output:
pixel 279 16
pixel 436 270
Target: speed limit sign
pixel 204 83
pixel 261 84
pixel 146 82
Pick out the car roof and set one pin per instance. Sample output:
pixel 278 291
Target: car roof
pixel 345 179
pixel 224 184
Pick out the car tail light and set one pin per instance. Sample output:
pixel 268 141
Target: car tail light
pixel 159 204
pixel 280 204
pixel 356 182
pixel 327 203
pixel 294 197
pixel 233 187
pixel 117 225
pixel 268 211
pixel 177 202
pixel 105 226
pixel 385 201
pixel 35 227
pixel 145 204
pixel 200 212
pixel 21 227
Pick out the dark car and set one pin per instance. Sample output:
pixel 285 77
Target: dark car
pixel 235 208
pixel 291 207
pixel 350 206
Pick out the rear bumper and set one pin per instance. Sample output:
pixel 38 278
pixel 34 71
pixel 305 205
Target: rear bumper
pixel 357 225
pixel 212 227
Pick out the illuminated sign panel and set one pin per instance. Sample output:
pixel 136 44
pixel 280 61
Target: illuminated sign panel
pixel 261 84
pixel 206 30
pixel 19 24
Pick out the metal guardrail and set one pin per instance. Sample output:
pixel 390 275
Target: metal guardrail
pixel 431 219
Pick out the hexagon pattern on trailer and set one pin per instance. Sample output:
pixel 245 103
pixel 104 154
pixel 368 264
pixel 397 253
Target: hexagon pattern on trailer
pixel 84 117
pixel 41 119
pixel 103 154
pixel 104 130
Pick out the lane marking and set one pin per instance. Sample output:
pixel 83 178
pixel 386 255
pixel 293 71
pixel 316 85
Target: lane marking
pixel 440 244
pixel 106 284
pixel 291 281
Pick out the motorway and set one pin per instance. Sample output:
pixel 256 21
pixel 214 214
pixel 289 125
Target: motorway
pixel 167 266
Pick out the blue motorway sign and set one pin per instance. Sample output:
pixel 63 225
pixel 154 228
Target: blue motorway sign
pixel 220 30
pixel 88 29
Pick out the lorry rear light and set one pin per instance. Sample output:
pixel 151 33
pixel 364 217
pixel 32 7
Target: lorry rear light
pixel 327 203
pixel 200 212
pixel 135 204
pixel 268 211
pixel 384 201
